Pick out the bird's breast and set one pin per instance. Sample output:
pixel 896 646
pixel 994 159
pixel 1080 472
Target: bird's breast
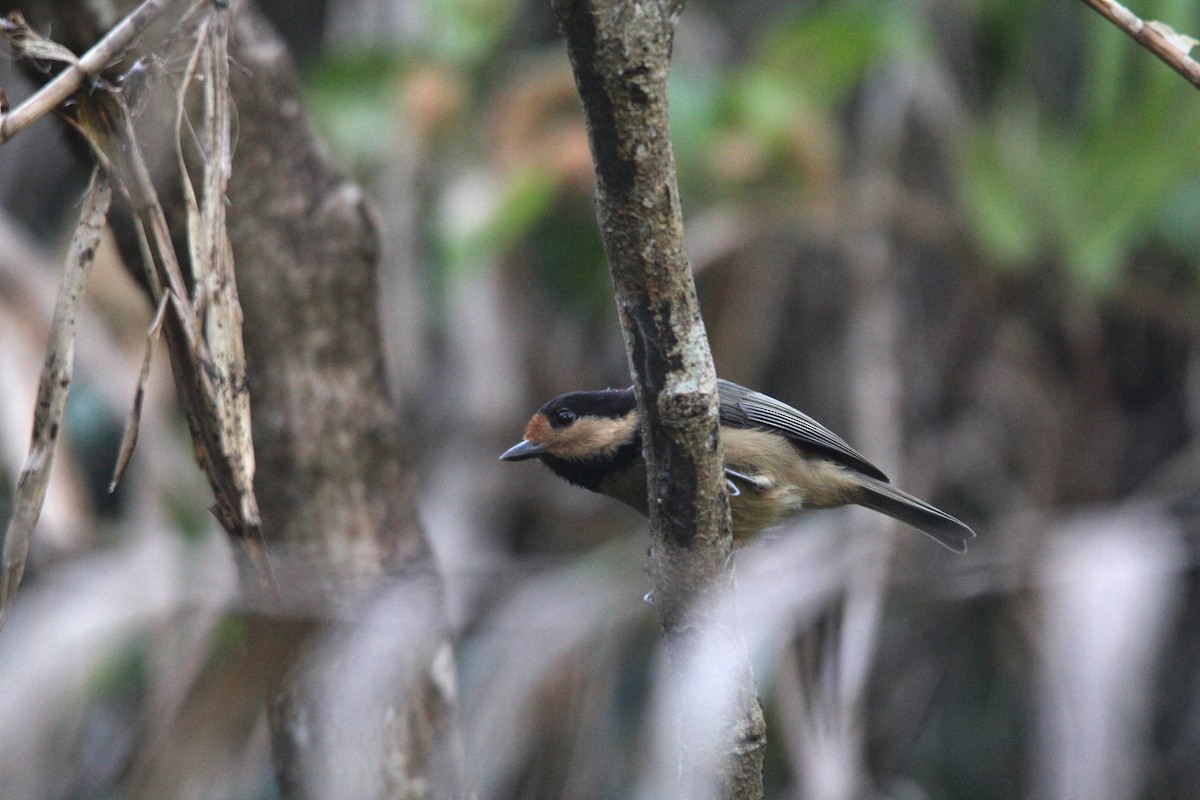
pixel 785 481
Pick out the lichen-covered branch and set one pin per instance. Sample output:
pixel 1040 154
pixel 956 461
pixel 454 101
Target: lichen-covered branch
pixel 621 56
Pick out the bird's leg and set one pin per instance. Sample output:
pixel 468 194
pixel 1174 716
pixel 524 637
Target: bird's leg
pixel 758 484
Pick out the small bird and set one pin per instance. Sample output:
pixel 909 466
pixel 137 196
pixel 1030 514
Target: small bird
pixel 778 461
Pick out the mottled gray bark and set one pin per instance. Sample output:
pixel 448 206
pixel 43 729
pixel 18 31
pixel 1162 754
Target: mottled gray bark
pixel 621 55
pixel 335 486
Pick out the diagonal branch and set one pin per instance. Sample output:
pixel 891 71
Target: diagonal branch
pixel 335 482
pixel 53 390
pixel 87 67
pixel 204 334
pixel 1171 48
pixel 621 54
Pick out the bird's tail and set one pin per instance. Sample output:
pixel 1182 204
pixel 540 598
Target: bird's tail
pixel 887 499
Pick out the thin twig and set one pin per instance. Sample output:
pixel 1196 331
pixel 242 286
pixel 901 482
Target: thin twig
pixel 134 422
pixel 53 390
pixel 88 67
pixel 1171 48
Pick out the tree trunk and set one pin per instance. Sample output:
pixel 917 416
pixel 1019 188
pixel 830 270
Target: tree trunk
pixel 621 55
pixel 335 487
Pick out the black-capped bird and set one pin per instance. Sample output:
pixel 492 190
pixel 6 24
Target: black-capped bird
pixel 778 461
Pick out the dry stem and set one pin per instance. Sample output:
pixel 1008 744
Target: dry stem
pixel 1155 37
pixel 86 68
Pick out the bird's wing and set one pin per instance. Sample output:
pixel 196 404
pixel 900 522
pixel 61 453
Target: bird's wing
pixel 745 408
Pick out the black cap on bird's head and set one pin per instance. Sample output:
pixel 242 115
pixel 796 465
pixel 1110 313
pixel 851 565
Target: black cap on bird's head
pixel 579 426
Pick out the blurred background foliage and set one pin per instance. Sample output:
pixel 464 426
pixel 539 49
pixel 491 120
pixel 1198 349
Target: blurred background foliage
pixel 964 235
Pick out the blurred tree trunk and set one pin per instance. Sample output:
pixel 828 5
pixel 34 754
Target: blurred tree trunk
pixel 335 487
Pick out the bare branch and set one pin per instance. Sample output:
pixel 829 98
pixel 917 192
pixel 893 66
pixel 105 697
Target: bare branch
pixel 621 56
pixel 87 67
pixel 1171 48
pixel 336 488
pixel 207 355
pixel 219 429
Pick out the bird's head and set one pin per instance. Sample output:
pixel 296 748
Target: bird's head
pixel 580 427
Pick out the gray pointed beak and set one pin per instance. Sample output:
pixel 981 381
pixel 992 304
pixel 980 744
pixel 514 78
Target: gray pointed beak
pixel 525 449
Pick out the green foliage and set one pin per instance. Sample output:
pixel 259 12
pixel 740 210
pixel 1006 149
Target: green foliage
pixel 1076 153
pixel 822 55
pixel 123 675
pixel 352 95
pixel 567 254
pixel 528 197
pixel 554 234
pixel 1176 224
pixel 465 32
pixel 770 120
pixel 1085 183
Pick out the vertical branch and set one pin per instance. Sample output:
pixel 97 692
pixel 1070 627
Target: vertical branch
pixel 621 56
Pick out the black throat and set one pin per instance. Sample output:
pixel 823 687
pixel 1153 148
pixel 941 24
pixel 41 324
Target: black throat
pixel 592 472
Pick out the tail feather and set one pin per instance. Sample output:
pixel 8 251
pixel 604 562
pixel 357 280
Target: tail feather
pixel 887 499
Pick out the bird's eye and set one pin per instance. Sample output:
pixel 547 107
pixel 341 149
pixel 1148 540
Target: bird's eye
pixel 564 417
